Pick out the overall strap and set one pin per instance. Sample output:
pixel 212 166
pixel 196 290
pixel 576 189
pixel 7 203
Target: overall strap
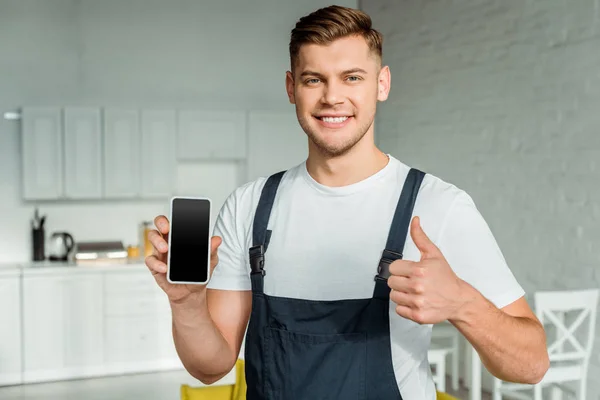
pixel 260 233
pixel 398 231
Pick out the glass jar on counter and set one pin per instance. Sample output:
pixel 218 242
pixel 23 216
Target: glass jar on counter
pixel 133 252
pixel 145 229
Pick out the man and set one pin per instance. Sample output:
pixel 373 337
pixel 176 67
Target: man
pixel 338 266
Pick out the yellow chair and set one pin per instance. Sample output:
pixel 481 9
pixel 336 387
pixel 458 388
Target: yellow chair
pixel 238 391
pixel 444 396
pixel 220 392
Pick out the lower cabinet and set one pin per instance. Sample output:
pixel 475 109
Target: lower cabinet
pixel 63 326
pixel 88 324
pixel 85 323
pixel 10 330
pixel 136 317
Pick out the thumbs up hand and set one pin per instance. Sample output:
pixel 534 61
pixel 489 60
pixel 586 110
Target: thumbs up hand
pixel 427 291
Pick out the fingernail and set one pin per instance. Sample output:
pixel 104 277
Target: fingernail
pixel 164 247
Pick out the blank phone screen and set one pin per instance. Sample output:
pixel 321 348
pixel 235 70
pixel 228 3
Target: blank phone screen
pixel 190 227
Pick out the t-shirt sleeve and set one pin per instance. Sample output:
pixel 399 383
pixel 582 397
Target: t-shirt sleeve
pixel 232 272
pixel 473 253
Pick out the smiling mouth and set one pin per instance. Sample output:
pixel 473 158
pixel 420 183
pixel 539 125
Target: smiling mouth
pixel 337 122
pixel 333 120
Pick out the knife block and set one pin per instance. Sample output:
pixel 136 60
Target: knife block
pixel 38 241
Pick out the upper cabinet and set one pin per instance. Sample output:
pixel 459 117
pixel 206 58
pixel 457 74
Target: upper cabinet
pixel 83 153
pixel 158 153
pixel 120 153
pixel 211 135
pixel 122 165
pixel 42 153
pixel 94 153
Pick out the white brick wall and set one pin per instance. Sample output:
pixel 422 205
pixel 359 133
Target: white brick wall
pixel 502 98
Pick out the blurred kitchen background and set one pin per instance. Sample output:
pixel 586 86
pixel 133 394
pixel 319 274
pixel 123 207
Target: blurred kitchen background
pixel 109 108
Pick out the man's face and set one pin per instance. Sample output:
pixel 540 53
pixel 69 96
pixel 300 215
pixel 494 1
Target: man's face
pixel 335 89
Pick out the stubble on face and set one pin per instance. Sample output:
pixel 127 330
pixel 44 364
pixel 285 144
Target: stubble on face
pixel 322 87
pixel 335 148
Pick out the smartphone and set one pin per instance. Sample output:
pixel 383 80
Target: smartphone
pixel 188 260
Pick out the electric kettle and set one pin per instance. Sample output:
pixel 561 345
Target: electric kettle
pixel 60 245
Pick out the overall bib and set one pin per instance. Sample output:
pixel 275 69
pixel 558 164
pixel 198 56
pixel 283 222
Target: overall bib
pixel 300 349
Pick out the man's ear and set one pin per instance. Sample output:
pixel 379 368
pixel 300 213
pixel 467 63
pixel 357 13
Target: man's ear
pixel 289 86
pixel 384 82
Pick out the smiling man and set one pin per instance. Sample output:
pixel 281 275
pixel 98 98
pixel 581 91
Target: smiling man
pixel 335 269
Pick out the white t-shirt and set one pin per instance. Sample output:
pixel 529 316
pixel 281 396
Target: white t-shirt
pixel 326 243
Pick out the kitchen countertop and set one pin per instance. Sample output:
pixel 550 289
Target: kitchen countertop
pixel 7 269
pixel 52 267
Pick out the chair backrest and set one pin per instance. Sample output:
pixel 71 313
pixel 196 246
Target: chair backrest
pixel 551 307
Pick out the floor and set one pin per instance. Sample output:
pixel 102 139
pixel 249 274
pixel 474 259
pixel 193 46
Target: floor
pixel 153 386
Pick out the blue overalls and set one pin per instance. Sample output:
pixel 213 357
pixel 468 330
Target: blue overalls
pixel 300 349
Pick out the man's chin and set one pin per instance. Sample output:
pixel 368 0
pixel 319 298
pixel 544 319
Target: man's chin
pixel 331 149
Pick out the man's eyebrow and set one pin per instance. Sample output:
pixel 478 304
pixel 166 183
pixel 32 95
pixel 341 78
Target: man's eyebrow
pixel 354 71
pixel 346 72
pixel 311 73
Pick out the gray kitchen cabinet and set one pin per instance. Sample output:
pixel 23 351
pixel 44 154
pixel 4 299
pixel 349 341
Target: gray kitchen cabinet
pixel 121 155
pixel 137 324
pixel 83 153
pixel 63 329
pixel 130 335
pixel 10 330
pixel 42 153
pixel 79 323
pixel 276 142
pixel 158 158
pixel 89 153
pixel 211 135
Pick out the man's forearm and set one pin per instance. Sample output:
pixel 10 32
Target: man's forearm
pixel 200 345
pixel 511 348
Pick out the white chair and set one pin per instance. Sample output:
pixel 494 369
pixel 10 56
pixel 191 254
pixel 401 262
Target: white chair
pixel 445 334
pixel 437 361
pixel 568 364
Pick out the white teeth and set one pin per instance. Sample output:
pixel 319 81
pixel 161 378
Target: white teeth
pixel 335 120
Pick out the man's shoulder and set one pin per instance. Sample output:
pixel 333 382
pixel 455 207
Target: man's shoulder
pixel 441 189
pixel 249 193
pixel 435 190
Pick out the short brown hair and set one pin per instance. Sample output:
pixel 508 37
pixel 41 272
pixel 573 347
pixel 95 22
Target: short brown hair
pixel 327 24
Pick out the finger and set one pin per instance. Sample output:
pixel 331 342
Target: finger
pixel 410 307
pixel 424 244
pixel 158 241
pixel 162 224
pixel 406 285
pixel 404 311
pixel 399 283
pixel 155 265
pixel 400 298
pixel 215 242
pixel 411 314
pixel 413 301
pixel 403 268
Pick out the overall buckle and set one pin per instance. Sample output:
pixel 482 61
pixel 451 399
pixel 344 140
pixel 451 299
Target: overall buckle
pixel 383 269
pixel 257 259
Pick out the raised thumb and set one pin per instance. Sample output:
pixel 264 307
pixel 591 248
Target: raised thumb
pixel 427 248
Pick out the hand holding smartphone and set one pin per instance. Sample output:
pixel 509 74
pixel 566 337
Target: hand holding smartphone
pixel 188 258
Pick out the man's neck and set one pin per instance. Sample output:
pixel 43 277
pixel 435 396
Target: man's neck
pixel 352 167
